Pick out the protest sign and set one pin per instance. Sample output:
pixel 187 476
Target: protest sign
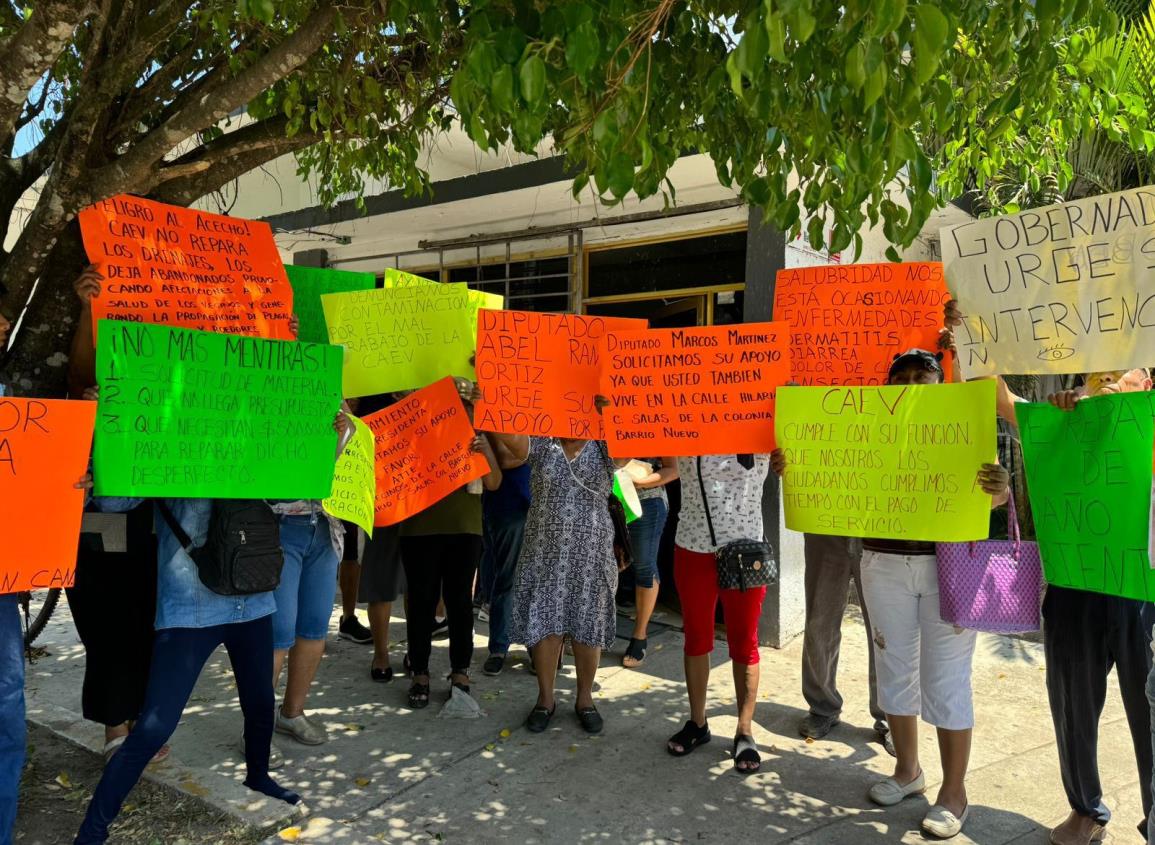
pixel 848 321
pixel 1068 288
pixel 539 373
pixel 424 451
pixel 187 414
pixel 402 337
pixel 308 285
pixel 695 391
pixel 182 267
pixel 896 462
pixel 354 482
pixel 477 299
pixel 1089 479
pixel 43 453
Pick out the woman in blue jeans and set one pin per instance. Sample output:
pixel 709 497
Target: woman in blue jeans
pixel 646 538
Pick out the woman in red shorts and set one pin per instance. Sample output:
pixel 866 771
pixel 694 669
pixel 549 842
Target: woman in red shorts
pixel 733 492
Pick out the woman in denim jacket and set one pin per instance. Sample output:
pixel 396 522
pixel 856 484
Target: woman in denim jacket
pixel 191 622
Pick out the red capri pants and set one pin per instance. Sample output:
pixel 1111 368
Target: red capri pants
pixel 696 577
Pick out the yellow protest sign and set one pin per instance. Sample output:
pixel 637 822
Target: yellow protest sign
pixel 478 299
pixel 403 337
pixel 1068 288
pixel 893 462
pixel 354 480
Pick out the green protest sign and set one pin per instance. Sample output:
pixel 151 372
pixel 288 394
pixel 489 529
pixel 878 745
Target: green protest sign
pixel 1089 476
pixel 308 285
pixel 189 414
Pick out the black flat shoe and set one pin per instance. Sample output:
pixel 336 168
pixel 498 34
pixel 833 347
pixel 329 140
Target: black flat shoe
pixel 591 720
pixel 539 718
pixel 381 676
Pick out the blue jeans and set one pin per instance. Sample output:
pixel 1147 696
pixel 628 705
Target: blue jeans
pixel 13 731
pixel 503 534
pixel 308 581
pixel 646 538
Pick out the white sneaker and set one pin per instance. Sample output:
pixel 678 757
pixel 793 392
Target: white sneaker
pixel 887 793
pixel 276 759
pixel 941 823
pixel 301 729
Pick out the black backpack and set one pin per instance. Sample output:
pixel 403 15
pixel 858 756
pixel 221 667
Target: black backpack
pixel 242 554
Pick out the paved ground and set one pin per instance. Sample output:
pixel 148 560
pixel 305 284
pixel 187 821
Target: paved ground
pixel 390 775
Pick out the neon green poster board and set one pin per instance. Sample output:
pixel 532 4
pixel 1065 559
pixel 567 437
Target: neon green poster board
pixel 402 338
pixel 897 462
pixel 1089 478
pixel 354 480
pixel 308 285
pixel 191 414
pixel 478 299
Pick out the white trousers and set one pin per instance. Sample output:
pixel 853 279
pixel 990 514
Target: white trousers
pixel 924 664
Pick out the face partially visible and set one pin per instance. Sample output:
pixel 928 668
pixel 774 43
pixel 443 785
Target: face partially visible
pixel 5 329
pixel 915 374
pixel 1097 381
pixel 1135 381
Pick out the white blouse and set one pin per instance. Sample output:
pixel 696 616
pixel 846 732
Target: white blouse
pixel 735 497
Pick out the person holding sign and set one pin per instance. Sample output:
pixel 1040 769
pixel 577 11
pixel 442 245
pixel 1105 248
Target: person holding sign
pixel 721 503
pixel 924 663
pixel 650 479
pixel 568 573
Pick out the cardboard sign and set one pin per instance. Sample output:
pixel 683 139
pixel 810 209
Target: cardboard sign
pixel 848 321
pixel 1089 478
pixel 354 482
pixel 308 285
pixel 424 452
pixel 539 373
pixel 477 299
pixel 897 462
pixel 696 391
pixel 182 267
pixel 186 414
pixel 403 337
pixel 44 447
pixel 1068 288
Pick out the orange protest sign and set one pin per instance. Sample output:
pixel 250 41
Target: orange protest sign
pixel 423 451
pixel 44 446
pixel 698 391
pixel 186 268
pixel 848 321
pixel 538 373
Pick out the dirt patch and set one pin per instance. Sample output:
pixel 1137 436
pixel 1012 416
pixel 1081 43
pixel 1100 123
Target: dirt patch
pixel 58 782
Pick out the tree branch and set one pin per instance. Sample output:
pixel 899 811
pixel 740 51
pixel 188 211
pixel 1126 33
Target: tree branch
pixel 32 50
pixel 218 98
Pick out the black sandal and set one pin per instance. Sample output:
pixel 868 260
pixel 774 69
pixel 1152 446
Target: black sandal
pixel 689 738
pixel 463 687
pixel 538 719
pixel 746 751
pixel 418 695
pixel 381 676
pixel 635 651
pixel 591 720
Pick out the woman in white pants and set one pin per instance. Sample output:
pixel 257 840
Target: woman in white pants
pixel 924 663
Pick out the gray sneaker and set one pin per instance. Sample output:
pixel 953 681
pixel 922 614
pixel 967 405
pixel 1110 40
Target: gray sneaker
pixel 301 729
pixel 816 727
pixel 276 759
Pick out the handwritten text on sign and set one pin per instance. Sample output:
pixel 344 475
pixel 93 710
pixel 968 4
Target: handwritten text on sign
pixel 1067 288
pixel 696 391
pixel 308 285
pixel 43 453
pixel 848 321
pixel 354 484
pixel 895 462
pixel 539 373
pixel 424 452
pixel 403 337
pixel 196 414
pixel 1089 477
pixel 182 267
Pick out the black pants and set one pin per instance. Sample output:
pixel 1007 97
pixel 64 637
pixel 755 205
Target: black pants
pixel 440 566
pixel 178 658
pixel 1084 636
pixel 113 605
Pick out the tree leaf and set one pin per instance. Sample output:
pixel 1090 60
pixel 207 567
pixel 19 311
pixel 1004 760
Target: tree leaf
pixel 931 29
pixel 532 78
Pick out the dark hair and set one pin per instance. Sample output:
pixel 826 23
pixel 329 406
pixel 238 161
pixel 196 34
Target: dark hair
pixel 920 358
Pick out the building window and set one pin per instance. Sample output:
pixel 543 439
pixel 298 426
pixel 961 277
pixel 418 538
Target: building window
pixel 668 265
pixel 540 284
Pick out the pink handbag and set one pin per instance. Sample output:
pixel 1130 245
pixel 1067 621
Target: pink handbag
pixel 991 585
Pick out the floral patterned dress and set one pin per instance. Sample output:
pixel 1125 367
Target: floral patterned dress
pixel 567 575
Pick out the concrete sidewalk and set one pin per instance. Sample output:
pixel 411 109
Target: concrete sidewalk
pixel 391 775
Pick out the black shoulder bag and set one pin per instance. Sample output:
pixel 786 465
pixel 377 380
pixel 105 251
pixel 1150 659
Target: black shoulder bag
pixel 242 554
pixel 742 564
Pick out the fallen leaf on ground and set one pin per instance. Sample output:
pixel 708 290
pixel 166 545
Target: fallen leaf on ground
pixel 362 781
pixel 64 780
pixel 504 733
pixel 809 740
pixel 290 834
